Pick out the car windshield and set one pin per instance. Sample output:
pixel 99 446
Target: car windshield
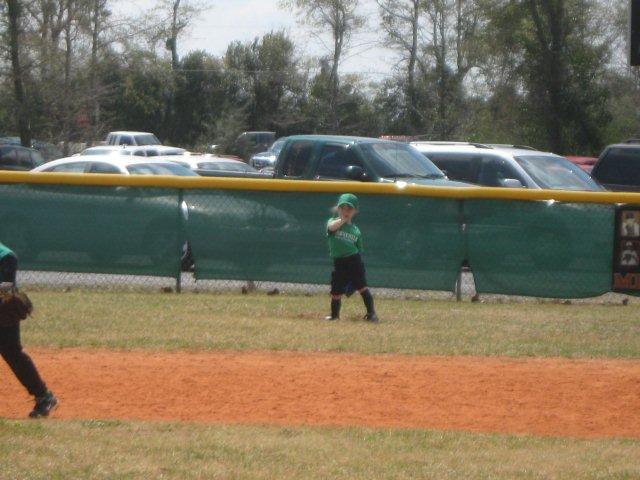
pixel 147 139
pixel 160 169
pixel 175 151
pixel 397 160
pixel 105 151
pixel 556 173
pixel 277 146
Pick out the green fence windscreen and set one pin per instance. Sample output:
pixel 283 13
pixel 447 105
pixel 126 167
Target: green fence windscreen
pixel 531 248
pixel 545 249
pixel 409 242
pixel 92 229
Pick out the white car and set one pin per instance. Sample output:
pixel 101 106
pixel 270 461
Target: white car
pixel 132 138
pixel 147 151
pixel 212 163
pixel 115 164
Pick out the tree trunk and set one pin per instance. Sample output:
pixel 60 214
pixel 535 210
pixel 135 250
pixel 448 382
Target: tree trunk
pixel 66 113
pixel 441 66
pixel 334 85
pixel 24 128
pixel 411 70
pixel 174 36
pixel 93 80
pixel 551 41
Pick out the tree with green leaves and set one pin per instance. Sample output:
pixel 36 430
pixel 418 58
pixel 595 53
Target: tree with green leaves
pixel 452 52
pixel 560 60
pixel 14 12
pixel 339 18
pixel 98 16
pixel 354 109
pixel 201 92
pixel 267 81
pixel 437 41
pixel 140 93
pixel 402 22
pixel 622 80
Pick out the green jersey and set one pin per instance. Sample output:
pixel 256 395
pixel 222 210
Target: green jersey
pixel 345 241
pixel 4 250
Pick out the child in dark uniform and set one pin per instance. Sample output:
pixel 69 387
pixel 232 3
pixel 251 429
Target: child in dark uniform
pixel 345 245
pixel 11 348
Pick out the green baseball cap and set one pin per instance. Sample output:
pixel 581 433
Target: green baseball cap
pixel 348 199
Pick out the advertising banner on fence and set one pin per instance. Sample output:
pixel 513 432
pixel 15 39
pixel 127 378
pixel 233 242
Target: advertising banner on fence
pixel 626 252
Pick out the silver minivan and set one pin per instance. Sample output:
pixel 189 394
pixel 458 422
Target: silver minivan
pixel 511 166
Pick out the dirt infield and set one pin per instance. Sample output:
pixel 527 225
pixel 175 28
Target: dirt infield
pixel 584 398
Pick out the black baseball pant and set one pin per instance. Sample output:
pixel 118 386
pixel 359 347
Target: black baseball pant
pixel 10 346
pixel 347 270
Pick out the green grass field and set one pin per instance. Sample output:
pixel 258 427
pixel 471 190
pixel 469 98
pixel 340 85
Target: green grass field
pixel 101 450
pixel 261 322
pixel 55 449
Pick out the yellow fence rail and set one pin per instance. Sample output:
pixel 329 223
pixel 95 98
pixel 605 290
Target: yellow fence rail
pixel 275 185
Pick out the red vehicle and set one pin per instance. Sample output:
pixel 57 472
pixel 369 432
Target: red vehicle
pixel 585 163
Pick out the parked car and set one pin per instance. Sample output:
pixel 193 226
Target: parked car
pixel 249 143
pixel 104 150
pixel 16 157
pixel 132 138
pixel 268 158
pixel 506 166
pixel 585 163
pixel 618 167
pixel 326 157
pixel 545 236
pixel 114 164
pixel 150 151
pixel 47 150
pixel 215 166
pixel 125 165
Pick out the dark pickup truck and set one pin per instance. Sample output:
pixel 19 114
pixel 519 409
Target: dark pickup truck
pixel 618 167
pixel 324 157
pixel 334 158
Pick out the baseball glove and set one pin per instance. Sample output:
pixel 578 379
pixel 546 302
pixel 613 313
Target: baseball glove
pixel 14 307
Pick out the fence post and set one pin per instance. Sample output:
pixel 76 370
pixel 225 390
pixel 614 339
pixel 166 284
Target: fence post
pixel 462 222
pixel 181 235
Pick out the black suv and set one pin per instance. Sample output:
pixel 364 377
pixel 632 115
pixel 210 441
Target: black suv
pixel 16 157
pixel 249 143
pixel 618 167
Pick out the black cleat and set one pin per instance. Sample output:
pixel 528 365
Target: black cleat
pixel 372 317
pixel 44 405
pixel 329 317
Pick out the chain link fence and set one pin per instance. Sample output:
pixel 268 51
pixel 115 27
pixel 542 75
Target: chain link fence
pixel 241 239
pixel 463 290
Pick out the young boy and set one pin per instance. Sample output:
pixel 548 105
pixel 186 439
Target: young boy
pixel 345 245
pixel 11 348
